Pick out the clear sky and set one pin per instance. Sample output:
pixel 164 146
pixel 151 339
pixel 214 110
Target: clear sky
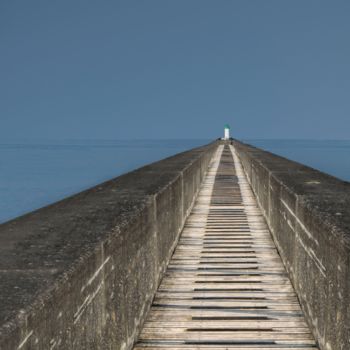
pixel 174 69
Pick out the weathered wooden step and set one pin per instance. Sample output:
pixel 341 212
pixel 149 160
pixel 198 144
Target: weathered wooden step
pixel 225 286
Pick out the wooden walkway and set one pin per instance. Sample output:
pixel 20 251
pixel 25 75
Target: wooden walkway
pixel 225 286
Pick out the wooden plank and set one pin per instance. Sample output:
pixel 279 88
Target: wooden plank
pixel 160 346
pixel 225 286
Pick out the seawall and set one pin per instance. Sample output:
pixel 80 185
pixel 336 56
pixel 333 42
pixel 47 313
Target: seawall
pixel 82 273
pixel 308 213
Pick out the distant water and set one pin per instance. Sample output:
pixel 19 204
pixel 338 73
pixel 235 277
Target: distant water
pixel 36 173
pixel 329 156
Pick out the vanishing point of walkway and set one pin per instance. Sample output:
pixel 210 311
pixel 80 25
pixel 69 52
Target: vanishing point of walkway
pixel 225 286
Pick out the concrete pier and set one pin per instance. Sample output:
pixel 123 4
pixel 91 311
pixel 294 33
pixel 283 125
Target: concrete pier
pixel 262 262
pixel 308 214
pixel 82 273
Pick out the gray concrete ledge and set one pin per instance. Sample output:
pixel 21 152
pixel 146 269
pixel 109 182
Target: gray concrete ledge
pixel 308 213
pixel 82 273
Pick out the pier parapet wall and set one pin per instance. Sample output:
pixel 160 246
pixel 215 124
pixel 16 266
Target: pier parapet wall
pixel 308 213
pixel 82 273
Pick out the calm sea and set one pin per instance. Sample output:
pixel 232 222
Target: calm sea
pixel 329 156
pixel 36 173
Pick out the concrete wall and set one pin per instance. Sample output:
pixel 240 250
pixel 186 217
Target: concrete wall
pixel 82 273
pixel 308 213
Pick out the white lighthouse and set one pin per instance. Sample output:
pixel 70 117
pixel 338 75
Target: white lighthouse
pixel 227 132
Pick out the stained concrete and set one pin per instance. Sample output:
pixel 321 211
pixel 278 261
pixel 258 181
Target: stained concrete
pixel 82 273
pixel 308 213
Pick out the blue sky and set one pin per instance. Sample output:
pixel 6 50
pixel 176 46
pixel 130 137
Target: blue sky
pixel 174 69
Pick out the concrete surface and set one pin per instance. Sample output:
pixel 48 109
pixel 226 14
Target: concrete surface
pixel 308 213
pixel 81 273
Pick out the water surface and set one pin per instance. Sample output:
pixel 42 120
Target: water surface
pixel 329 156
pixel 34 173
